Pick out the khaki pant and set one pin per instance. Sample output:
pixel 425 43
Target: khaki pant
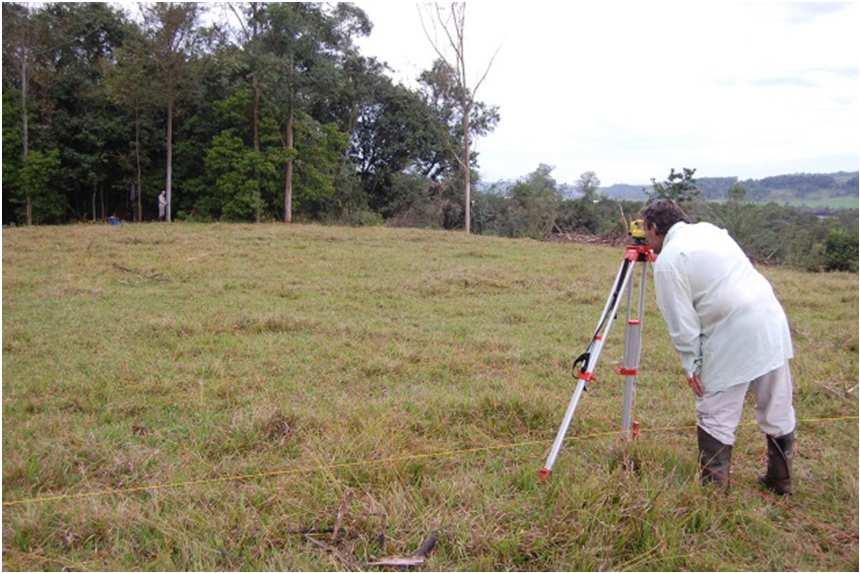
pixel 719 413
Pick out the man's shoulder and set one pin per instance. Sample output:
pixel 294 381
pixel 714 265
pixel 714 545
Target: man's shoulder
pixel 691 235
pixel 696 228
pixel 684 239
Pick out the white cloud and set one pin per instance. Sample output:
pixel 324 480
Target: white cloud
pixel 632 89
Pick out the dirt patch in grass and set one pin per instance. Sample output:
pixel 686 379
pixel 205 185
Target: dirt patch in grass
pixel 271 324
pixel 278 428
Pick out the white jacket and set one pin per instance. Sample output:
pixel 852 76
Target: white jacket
pixel 722 315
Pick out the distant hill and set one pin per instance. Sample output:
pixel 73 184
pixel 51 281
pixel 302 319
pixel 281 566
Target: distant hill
pixel 834 190
pixel 839 189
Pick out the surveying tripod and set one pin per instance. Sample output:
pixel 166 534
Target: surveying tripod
pixel 636 254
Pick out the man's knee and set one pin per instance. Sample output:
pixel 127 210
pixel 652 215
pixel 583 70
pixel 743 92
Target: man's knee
pixel 723 432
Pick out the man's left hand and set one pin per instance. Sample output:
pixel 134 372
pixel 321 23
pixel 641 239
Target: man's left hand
pixel 696 385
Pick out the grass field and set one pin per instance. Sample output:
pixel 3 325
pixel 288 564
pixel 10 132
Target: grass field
pixel 155 354
pixel 818 202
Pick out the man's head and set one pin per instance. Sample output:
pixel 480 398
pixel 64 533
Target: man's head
pixel 659 216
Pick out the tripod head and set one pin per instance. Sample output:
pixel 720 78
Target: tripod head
pixel 638 249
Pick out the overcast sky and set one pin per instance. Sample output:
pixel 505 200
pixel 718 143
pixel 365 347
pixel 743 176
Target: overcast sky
pixel 631 89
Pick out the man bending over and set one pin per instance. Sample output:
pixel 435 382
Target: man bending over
pixel 732 336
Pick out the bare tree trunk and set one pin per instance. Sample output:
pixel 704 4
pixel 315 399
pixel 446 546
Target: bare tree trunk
pixel 95 192
pixel 24 105
pixel 256 119
pixel 26 133
pixel 288 180
pixel 137 158
pixel 257 135
pixel 169 186
pixel 467 171
pixel 102 198
pixel 454 28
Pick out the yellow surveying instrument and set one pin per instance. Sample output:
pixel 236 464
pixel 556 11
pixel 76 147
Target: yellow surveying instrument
pixel 636 253
pixel 637 231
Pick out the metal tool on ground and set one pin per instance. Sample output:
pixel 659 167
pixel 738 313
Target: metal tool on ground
pixel 636 254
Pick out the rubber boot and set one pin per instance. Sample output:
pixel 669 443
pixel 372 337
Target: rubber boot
pixel 779 454
pixel 715 459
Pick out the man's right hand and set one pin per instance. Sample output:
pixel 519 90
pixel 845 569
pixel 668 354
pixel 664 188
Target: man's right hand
pixel 695 384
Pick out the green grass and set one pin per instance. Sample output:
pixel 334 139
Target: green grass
pixel 147 354
pixel 817 201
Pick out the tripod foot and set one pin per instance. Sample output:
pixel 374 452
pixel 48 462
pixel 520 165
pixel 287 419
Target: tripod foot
pixel 544 474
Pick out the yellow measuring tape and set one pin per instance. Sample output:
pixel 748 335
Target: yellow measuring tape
pixel 390 460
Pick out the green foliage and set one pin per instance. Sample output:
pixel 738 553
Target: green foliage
pixel 598 217
pixel 38 182
pixel 319 152
pixel 737 193
pixel 12 146
pixel 841 250
pixel 587 185
pixel 397 131
pixel 679 187
pixel 348 204
pixel 444 96
pixel 533 209
pixel 417 202
pixel 442 93
pixel 528 207
pixel 101 86
pixel 776 234
pixel 242 177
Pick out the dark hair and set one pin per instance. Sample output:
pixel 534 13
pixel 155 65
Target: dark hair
pixel 663 213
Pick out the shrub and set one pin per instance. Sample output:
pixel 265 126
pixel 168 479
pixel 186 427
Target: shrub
pixel 363 218
pixel 840 250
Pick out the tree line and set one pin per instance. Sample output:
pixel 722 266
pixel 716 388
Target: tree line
pixel 269 113
pixel 537 206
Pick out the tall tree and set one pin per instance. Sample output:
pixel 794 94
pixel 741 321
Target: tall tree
pixel 453 24
pixel 38 177
pixel 127 83
pixel 587 185
pixel 308 40
pixel 64 108
pixel 19 44
pixel 251 19
pixel 173 39
pixel 679 186
pixel 393 132
pixel 535 202
pixel 90 132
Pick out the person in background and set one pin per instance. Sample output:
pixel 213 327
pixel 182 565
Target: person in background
pixel 732 336
pixel 162 205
